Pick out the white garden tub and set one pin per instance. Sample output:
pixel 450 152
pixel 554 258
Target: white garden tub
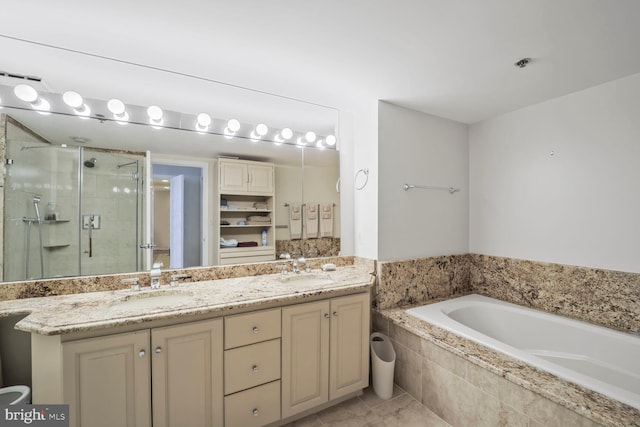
pixel 597 358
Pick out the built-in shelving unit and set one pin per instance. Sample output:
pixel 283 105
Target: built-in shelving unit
pixel 245 189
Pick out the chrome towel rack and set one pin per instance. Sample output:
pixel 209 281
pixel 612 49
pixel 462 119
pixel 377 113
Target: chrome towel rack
pixel 451 190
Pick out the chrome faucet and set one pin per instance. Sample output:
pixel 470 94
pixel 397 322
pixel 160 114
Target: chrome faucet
pixel 155 275
pixel 296 263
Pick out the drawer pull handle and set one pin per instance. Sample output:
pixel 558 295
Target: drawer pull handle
pixel 335 313
pixel 255 368
pixel 255 330
pixel 255 412
pixel 141 353
pixel 158 350
pixel 326 315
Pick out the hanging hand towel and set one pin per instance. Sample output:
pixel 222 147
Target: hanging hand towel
pixel 311 220
pixel 295 222
pixel 326 220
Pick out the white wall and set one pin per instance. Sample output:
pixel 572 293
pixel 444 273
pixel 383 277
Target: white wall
pixel 362 133
pixel 421 149
pixel 580 206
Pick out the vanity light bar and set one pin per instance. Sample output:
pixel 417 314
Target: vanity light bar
pixel 25 97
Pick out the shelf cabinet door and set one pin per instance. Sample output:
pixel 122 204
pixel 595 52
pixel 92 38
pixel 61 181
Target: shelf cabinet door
pixel 349 344
pixel 305 356
pixel 187 374
pixel 260 179
pixel 107 381
pixel 234 177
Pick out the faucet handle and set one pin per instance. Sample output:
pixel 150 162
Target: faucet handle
pixel 176 277
pixel 285 255
pixel 134 281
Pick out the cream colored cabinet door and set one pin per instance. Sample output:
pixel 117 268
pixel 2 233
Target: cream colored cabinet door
pixel 349 345
pixel 305 356
pixel 187 374
pixel 234 177
pixel 107 381
pixel 260 179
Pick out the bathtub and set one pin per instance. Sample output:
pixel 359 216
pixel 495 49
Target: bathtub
pixel 594 357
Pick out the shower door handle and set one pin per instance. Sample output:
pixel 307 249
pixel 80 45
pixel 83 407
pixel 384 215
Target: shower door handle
pixel 147 246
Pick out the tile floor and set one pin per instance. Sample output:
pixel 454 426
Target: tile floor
pixel 366 410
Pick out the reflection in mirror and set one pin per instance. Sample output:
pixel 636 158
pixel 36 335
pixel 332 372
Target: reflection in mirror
pixel 96 191
pixel 68 210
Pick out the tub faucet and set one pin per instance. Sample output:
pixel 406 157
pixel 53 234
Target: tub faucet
pixel 155 275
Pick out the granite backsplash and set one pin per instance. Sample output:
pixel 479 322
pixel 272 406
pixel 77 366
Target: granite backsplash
pixel 603 297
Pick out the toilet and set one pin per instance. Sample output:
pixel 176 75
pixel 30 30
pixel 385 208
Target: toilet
pixel 14 395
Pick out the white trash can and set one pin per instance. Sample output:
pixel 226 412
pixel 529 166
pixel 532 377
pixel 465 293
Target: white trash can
pixel 383 360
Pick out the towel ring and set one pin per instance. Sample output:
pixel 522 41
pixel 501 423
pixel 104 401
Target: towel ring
pixel 365 171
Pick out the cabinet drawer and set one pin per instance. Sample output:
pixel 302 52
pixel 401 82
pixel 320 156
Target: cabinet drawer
pixel 250 328
pixel 254 407
pixel 252 365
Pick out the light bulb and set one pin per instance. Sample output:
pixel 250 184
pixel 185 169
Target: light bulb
pixel 233 125
pixel 301 141
pixel 42 106
pixel 155 113
pixel 319 144
pixel 331 140
pixel 262 129
pixel 286 133
pixel 26 93
pixel 310 136
pixel 116 106
pixel 204 120
pixel 72 99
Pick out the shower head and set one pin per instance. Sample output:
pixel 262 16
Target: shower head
pixel 91 162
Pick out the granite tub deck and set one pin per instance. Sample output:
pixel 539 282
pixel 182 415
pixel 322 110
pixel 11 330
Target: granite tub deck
pixel 91 311
pixel 509 391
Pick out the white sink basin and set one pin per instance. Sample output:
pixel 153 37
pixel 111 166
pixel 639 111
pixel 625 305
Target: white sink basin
pixel 308 279
pixel 152 300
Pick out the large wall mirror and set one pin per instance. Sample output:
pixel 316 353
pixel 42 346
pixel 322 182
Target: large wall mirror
pixel 86 196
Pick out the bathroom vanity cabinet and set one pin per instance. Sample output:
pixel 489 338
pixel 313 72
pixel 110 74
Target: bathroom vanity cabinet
pixel 108 381
pixel 324 351
pixel 248 369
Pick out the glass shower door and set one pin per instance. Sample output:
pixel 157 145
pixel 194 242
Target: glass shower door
pixel 111 208
pixel 41 208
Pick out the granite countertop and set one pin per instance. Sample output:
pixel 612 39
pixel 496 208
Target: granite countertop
pixel 65 314
pixel 589 403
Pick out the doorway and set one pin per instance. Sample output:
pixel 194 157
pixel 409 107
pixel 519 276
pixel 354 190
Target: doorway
pixel 179 208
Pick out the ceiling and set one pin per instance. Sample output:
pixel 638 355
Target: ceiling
pixel 450 58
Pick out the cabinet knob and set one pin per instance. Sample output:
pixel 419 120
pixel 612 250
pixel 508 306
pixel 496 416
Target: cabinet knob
pixel 255 412
pixel 141 353
pixel 255 330
pixel 255 368
pixel 326 315
pixel 335 313
pixel 158 350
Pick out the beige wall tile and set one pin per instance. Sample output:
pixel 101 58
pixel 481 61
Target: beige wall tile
pixel 444 358
pixel 408 370
pixel 404 337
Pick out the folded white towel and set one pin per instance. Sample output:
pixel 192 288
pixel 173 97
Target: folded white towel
pixel 295 222
pixel 326 220
pixel 311 220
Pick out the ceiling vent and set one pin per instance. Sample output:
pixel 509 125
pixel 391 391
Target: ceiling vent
pixel 13 79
